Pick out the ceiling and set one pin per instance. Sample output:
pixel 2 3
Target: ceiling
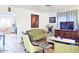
pixel 48 8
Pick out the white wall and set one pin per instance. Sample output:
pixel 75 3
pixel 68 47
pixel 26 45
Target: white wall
pixel 23 19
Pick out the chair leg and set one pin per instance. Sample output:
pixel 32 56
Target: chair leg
pixel 43 51
pixel 25 49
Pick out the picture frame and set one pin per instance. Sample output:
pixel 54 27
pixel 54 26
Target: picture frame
pixel 34 21
pixel 52 19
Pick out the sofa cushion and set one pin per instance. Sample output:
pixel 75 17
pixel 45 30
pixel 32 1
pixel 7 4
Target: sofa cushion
pixel 37 34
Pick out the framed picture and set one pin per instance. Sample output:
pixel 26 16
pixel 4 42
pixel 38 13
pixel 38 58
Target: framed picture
pixel 52 19
pixel 34 21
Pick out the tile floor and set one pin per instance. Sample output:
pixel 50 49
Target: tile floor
pixel 11 45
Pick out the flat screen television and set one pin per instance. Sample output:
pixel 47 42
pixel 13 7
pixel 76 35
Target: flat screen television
pixel 67 25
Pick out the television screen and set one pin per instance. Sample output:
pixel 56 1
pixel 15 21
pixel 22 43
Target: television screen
pixel 67 25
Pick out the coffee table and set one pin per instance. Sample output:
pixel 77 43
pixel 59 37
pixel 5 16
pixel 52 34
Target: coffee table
pixel 45 46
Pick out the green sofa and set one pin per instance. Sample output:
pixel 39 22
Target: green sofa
pixel 35 35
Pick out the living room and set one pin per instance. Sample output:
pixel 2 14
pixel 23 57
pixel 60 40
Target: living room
pixel 47 15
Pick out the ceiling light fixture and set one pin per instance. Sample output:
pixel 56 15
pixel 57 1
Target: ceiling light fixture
pixel 48 5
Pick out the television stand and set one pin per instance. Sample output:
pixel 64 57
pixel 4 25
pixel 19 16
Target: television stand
pixel 70 34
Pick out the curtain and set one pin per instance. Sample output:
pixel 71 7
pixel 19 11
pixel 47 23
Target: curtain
pixel 68 16
pixel 61 17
